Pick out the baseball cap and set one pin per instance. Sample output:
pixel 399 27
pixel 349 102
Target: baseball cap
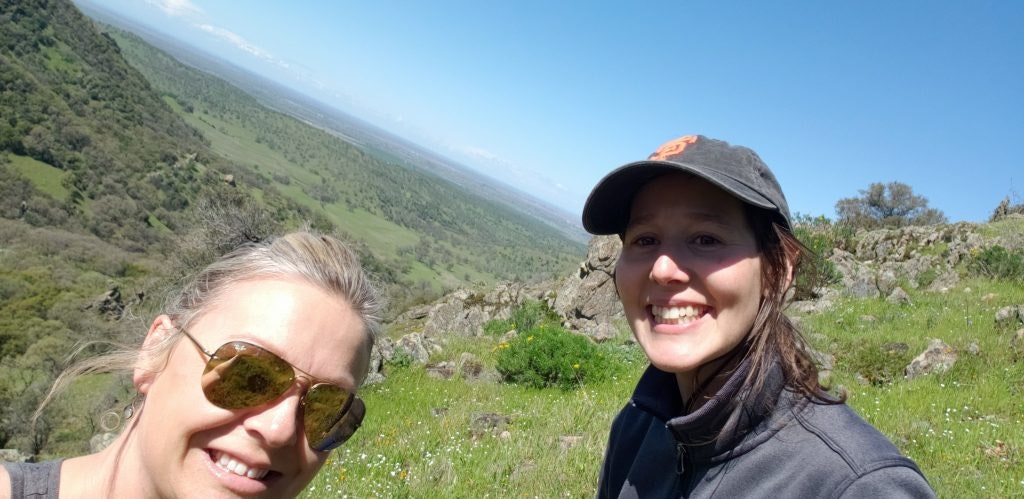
pixel 735 169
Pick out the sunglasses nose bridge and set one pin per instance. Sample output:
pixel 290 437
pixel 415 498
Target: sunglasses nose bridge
pixel 277 422
pixel 304 382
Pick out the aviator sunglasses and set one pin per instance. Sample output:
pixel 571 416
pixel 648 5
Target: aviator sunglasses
pixel 240 375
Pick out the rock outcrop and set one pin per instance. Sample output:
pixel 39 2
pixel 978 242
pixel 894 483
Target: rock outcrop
pixel 587 300
pixel 920 256
pixel 464 312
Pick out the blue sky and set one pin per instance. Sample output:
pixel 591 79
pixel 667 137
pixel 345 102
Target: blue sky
pixel 550 96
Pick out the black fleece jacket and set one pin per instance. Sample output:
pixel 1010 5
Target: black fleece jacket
pixel 770 444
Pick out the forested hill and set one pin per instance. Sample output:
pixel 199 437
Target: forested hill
pixel 94 144
pixel 70 101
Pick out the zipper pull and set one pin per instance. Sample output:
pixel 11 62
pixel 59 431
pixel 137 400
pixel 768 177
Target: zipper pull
pixel 680 458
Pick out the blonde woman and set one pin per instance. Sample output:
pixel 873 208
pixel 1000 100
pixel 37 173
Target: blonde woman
pixel 246 382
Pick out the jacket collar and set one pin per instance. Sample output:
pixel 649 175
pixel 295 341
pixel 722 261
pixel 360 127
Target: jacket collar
pixel 732 422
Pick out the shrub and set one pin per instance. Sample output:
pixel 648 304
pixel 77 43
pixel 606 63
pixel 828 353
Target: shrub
pixel 548 356
pixel 926 278
pixel 401 359
pixel 529 315
pixel 996 262
pixel 532 314
pixel 494 327
pixel 819 236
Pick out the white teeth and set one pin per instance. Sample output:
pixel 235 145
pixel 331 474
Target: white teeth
pixel 233 465
pixel 676 315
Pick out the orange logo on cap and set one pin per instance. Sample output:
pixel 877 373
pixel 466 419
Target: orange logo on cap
pixel 673 147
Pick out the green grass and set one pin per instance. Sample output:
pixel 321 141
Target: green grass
pixel 46 178
pixel 963 427
pixel 405 450
pixel 1006 227
pixel 57 60
pixel 239 144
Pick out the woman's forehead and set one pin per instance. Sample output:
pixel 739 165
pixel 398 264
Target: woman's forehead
pixel 680 192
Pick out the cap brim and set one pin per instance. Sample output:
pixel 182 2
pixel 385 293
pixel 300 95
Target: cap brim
pixel 607 208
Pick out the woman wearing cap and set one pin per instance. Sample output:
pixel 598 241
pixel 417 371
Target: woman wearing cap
pixel 730 405
pixel 245 383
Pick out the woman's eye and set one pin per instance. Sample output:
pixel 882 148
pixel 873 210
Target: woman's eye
pixel 644 241
pixel 705 240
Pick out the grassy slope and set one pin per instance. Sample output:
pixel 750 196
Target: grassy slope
pixel 44 177
pixel 404 450
pixel 951 424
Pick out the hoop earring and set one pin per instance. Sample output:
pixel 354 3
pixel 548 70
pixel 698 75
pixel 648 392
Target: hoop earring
pixel 112 420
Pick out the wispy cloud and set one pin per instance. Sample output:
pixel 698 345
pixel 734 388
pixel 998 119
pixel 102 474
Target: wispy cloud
pixel 236 40
pixel 176 8
pixel 195 17
pixel 482 154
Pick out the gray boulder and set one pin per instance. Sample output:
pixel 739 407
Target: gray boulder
pixel 373 378
pixel 464 312
pixel 1017 342
pixel 1009 317
pixel 937 358
pixel 487 422
pixel 417 346
pixel 587 300
pixel 383 350
pixel 471 368
pixel 918 255
pixel 856 278
pixel 898 297
pixel 441 370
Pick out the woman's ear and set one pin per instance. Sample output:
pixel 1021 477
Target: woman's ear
pixel 145 367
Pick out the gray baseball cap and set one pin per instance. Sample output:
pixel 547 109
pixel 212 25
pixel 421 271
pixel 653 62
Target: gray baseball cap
pixel 735 169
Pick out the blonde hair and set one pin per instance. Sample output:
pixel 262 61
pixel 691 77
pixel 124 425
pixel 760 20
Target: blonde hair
pixel 320 260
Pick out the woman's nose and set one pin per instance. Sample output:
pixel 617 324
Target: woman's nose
pixel 667 270
pixel 277 422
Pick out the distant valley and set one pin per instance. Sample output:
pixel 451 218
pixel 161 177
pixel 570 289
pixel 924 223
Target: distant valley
pixel 358 132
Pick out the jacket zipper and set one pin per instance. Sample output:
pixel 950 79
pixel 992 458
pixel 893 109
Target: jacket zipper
pixel 683 466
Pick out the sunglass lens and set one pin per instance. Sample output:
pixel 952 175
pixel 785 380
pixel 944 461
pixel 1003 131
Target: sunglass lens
pixel 242 375
pixel 331 415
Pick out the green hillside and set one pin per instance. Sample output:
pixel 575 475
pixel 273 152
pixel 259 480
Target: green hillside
pixel 400 212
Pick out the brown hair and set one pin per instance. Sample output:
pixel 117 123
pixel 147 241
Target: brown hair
pixel 773 337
